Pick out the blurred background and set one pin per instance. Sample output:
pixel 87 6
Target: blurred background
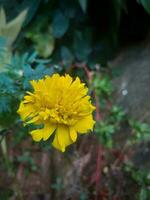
pixel 107 44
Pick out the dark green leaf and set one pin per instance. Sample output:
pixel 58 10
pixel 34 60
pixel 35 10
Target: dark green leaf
pixel 66 56
pixel 5 104
pixel 83 4
pixel 143 194
pixel 60 24
pixel 82 45
pixel 145 4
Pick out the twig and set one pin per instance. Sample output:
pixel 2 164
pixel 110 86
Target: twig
pixel 98 113
pixel 99 169
pixel 117 161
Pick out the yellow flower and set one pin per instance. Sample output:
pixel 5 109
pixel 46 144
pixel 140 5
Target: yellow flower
pixel 61 105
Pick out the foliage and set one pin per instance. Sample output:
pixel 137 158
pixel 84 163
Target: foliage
pixel 145 4
pixel 14 80
pixel 142 178
pixel 39 38
pixel 10 30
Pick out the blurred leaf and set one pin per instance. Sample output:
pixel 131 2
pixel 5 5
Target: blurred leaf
pixel 13 8
pixel 143 194
pixel 32 8
pixel 5 103
pixel 82 45
pixel 103 85
pixel 58 185
pixel 60 24
pixel 105 132
pixel 69 8
pixel 117 113
pixel 145 4
pixel 66 56
pixel 34 74
pixel 5 55
pixel 142 130
pixel 12 29
pixel 2 17
pixel 6 193
pixel 83 4
pixel 27 159
pixel 44 44
pixel 7 84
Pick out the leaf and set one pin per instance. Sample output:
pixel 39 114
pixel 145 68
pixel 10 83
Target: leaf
pixel 12 29
pixel 66 56
pixel 32 8
pixel 5 55
pixel 69 8
pixel 82 45
pixel 5 103
pixel 145 4
pixel 143 194
pixel 83 4
pixel 44 44
pixel 2 18
pixel 103 85
pixel 60 24
pixel 34 74
pixel 6 84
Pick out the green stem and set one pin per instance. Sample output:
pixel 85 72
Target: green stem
pixel 3 145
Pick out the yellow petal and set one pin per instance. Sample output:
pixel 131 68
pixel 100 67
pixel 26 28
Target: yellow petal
pixel 66 81
pixel 25 110
pixel 84 124
pixel 29 98
pixel 43 133
pixel 38 85
pixel 63 137
pixel 37 135
pixel 33 120
pixel 48 131
pixel 73 134
pixel 34 84
pixel 56 143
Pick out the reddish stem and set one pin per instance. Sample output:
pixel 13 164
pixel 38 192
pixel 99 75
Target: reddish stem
pixel 98 113
pixel 99 166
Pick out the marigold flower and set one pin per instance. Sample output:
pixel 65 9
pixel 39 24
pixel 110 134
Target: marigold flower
pixel 61 105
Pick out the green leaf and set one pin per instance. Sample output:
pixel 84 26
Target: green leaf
pixel 7 84
pixel 143 194
pixel 60 24
pixel 6 193
pixel 32 8
pixel 105 132
pixel 12 29
pixel 69 8
pixel 103 85
pixel 34 74
pixel 5 54
pixel 5 103
pixel 82 45
pixel 44 44
pixel 117 114
pixel 2 17
pixel 145 4
pixel 83 4
pixel 66 56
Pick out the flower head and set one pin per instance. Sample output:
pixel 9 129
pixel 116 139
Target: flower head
pixel 61 105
